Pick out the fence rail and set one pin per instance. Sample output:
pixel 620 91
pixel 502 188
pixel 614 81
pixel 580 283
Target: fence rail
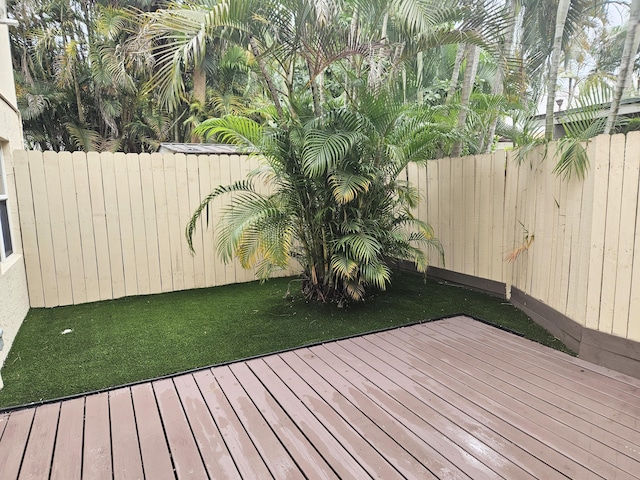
pixel 101 226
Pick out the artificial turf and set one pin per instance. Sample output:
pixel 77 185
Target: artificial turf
pixel 130 339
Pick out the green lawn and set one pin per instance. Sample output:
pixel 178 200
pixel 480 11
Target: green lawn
pixel 130 339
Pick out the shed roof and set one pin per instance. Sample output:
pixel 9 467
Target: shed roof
pixel 197 148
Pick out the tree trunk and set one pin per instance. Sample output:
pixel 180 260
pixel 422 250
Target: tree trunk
pixel 267 79
pixel 315 94
pixel 629 90
pixel 200 85
pixel 473 56
pixel 626 64
pixel 453 85
pixel 561 18
pixel 497 88
pixel 420 78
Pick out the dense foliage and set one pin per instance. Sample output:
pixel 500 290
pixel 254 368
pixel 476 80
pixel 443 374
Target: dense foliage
pixel 338 206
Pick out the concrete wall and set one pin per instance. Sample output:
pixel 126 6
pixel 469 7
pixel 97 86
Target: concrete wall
pixel 14 297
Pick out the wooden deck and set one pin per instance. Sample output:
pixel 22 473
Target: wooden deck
pixel 448 399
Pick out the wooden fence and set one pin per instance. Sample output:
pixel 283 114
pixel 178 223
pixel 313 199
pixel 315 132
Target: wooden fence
pixel 582 235
pixel 102 226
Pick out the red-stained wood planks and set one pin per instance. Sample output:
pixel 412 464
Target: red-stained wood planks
pixel 97 438
pixel 14 441
pixel 156 458
pixel 127 464
pixel 443 400
pixel 67 457
pixel 37 457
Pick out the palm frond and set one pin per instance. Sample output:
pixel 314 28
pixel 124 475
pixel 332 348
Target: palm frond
pixel 240 186
pixel 241 131
pixel 323 149
pixel 346 186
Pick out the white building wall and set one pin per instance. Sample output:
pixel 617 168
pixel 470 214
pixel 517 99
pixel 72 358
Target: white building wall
pixel 14 299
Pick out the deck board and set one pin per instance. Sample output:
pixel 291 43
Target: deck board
pixel 184 450
pixel 294 441
pixel 154 450
pixel 360 414
pixel 446 437
pixel 487 428
pixel 13 443
pixel 96 463
pixel 37 457
pixel 127 463
pixel 515 409
pixel 246 456
pixel 216 456
pixel 573 413
pixel 275 456
pixel 69 442
pixel 449 399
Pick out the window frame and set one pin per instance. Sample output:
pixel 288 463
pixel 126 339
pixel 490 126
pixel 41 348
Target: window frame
pixel 4 197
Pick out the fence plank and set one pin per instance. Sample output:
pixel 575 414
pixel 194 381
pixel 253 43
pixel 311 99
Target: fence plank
pixel 484 216
pixel 71 221
pixel 206 255
pixel 600 189
pixel 137 224
pixel 195 195
pixel 215 208
pixel 225 179
pixel 457 206
pixel 112 216
pixel 184 214
pixel 564 250
pixel 242 169
pixel 498 204
pixel 444 199
pixel 55 209
pixel 126 226
pixel 633 328
pixel 612 233
pixel 628 220
pixel 432 205
pixel 28 226
pixel 525 225
pixel 162 222
pixel 469 238
pixel 572 253
pixel 586 220
pixel 153 259
pixel 553 235
pixel 100 227
pixel 86 222
pixel 510 216
pixel 542 201
pixel 175 237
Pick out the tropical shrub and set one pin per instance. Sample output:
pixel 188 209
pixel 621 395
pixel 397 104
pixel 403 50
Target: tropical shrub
pixel 339 204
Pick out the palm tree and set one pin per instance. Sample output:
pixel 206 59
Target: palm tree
pixel 554 64
pixel 626 63
pixel 338 207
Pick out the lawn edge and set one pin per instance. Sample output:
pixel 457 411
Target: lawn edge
pixel 246 359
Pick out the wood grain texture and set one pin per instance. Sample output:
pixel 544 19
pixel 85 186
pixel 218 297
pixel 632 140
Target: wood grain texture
pixel 449 399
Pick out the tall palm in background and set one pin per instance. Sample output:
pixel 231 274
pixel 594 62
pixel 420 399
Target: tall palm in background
pixel 127 75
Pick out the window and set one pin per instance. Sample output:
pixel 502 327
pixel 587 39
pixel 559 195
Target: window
pixel 6 245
